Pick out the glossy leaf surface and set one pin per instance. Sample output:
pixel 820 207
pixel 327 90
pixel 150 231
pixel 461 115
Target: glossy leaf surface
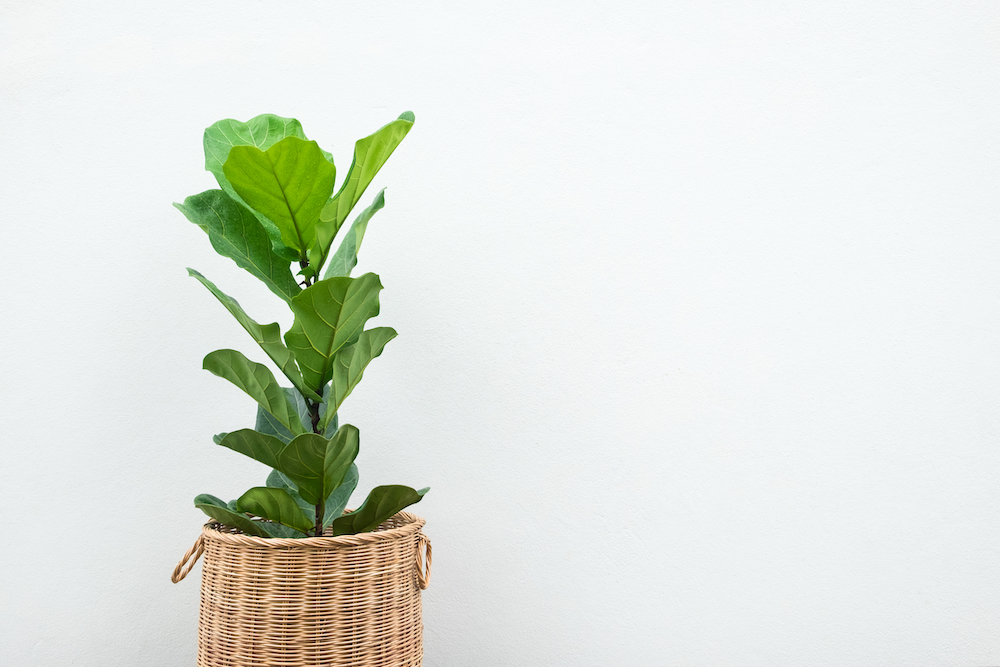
pixel 274 504
pixel 218 510
pixel 268 336
pixel 288 184
pixel 235 232
pixel 329 315
pixel 258 382
pixel 349 365
pixel 316 465
pixel 342 262
pixel 382 503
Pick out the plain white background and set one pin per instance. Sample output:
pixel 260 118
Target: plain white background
pixel 698 302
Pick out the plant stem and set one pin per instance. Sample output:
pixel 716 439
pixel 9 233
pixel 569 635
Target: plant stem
pixel 320 506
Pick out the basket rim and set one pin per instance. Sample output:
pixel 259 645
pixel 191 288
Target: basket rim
pixel 412 525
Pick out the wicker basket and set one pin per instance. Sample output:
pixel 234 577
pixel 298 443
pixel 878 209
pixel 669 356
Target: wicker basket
pixel 320 601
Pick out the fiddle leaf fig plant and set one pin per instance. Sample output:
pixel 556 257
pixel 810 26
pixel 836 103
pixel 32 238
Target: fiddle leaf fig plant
pixel 277 206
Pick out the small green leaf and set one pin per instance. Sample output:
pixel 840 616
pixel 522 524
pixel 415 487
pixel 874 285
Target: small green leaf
pixel 218 510
pixel 275 505
pixel 258 446
pixel 370 154
pixel 329 315
pixel 345 259
pixel 256 380
pixel 217 438
pixel 382 503
pixel 236 233
pixel 268 336
pixel 288 184
pixel 316 465
pixel 349 365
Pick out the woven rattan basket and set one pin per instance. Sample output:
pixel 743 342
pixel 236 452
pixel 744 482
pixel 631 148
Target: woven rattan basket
pixel 320 601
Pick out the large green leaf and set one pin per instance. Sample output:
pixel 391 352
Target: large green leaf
pixel 335 504
pixel 318 466
pixel 382 503
pixel 217 509
pixel 268 336
pixel 329 315
pixel 261 132
pixel 370 154
pixel 275 505
pixel 349 365
pixel 258 446
pixel 288 184
pixel 343 261
pixel 235 233
pixel 256 380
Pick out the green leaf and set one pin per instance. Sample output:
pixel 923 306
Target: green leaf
pixel 318 466
pixel 329 315
pixel 268 336
pixel 335 504
pixel 338 500
pixel 258 446
pixel 346 258
pixel 256 380
pixel 218 510
pixel 370 154
pixel 381 504
pixel 278 480
pixel 266 423
pixel 261 132
pixel 288 184
pixel 236 233
pixel 275 505
pixel 349 365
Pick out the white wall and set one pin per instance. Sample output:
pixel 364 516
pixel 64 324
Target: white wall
pixel 699 307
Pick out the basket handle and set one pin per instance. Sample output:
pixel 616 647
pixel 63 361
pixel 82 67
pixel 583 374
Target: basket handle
pixel 197 549
pixel 423 569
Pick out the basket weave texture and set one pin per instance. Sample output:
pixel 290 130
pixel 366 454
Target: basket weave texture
pixel 322 601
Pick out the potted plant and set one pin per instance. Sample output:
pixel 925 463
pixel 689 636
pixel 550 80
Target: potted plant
pixel 290 576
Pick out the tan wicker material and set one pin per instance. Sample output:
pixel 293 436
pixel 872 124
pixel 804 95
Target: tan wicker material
pixel 318 601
